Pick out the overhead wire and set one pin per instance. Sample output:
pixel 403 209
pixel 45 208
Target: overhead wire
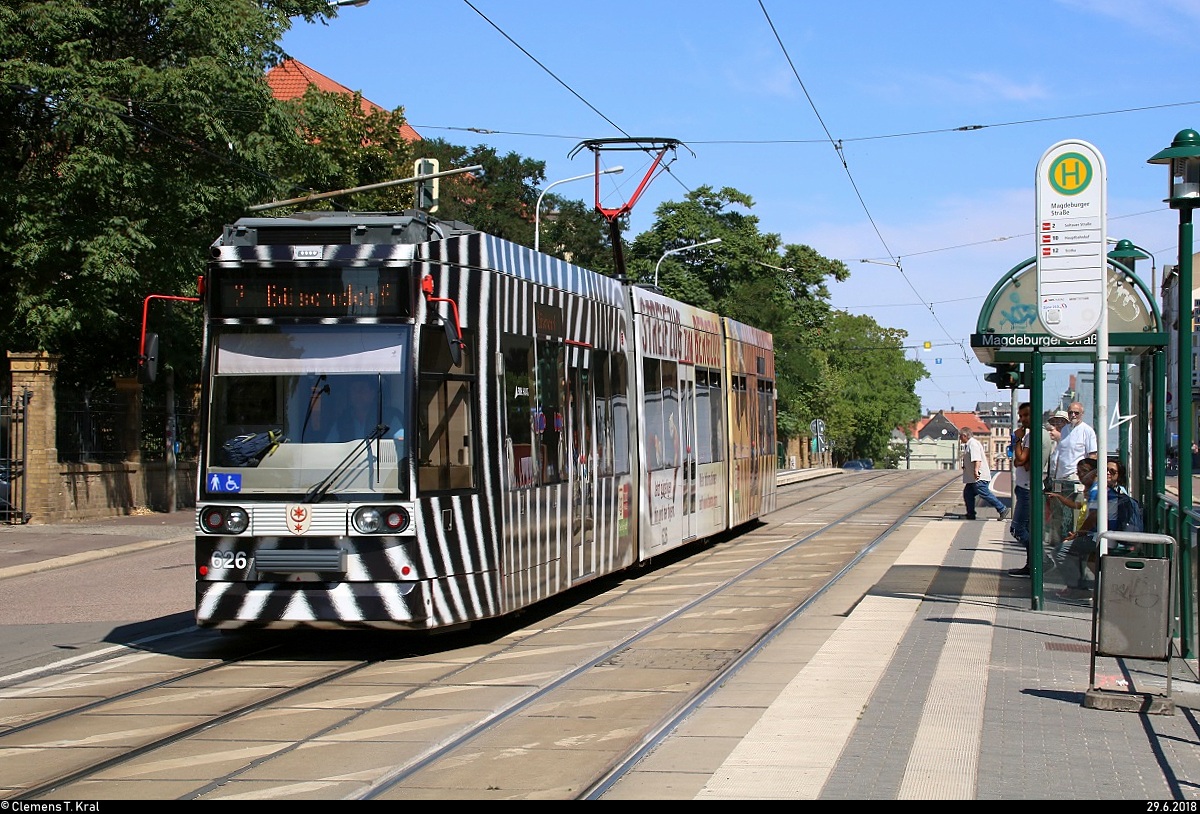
pixel 838 147
pixel 574 93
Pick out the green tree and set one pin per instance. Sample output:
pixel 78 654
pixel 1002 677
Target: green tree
pixel 343 145
pixel 129 133
pixel 575 231
pixel 876 385
pixel 499 200
pixel 752 277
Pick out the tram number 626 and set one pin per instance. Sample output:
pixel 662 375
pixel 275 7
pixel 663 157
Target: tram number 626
pixel 230 559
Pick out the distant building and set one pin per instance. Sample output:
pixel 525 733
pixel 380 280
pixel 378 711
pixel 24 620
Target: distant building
pixel 998 417
pixel 934 443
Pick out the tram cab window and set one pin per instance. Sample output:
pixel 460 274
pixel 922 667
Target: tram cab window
pixel 250 404
pixel 445 424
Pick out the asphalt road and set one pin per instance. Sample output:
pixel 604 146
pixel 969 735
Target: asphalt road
pixel 69 612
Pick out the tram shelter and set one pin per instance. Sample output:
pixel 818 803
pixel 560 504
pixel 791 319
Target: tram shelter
pixel 1011 337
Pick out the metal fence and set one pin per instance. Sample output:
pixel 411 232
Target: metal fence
pixel 91 426
pixel 13 452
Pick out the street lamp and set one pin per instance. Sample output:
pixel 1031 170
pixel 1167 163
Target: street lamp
pixel 1129 253
pixel 339 3
pixel 1183 191
pixel 537 211
pixel 677 251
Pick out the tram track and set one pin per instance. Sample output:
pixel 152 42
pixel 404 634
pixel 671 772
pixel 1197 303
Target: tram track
pixel 711 683
pixel 440 708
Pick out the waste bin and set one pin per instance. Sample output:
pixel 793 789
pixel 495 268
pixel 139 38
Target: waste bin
pixel 1133 615
pixel 1134 596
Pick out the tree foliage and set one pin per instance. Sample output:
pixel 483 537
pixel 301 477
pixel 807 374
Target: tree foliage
pixel 134 130
pixel 876 386
pixel 344 144
pixel 752 277
pixel 499 199
pixel 129 133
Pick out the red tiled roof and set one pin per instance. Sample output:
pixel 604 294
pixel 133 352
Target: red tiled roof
pixel 291 78
pixel 971 420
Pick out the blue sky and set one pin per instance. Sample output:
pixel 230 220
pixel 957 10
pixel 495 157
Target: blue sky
pixel 761 92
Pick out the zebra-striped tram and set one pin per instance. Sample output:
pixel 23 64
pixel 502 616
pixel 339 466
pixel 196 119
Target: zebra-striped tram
pixel 410 424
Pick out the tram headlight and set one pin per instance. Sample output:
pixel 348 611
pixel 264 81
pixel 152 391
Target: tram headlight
pixel 368 520
pixel 224 519
pixel 380 519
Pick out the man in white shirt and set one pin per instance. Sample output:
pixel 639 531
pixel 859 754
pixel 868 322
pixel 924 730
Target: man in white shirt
pixel 977 476
pixel 1076 440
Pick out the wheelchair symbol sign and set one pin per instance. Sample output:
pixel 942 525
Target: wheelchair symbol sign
pixel 224 482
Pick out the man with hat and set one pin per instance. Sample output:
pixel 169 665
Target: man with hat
pixel 1073 441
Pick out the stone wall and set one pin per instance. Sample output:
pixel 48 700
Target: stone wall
pixel 57 492
pixel 95 491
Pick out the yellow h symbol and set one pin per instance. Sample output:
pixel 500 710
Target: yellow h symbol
pixel 1070 173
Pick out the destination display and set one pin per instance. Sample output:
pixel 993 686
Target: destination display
pixel 313 292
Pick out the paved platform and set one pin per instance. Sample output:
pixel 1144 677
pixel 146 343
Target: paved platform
pixel 931 678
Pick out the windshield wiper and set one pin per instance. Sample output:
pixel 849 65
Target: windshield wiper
pixel 317 392
pixel 317 493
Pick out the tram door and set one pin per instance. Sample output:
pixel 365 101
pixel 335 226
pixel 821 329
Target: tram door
pixel 580 409
pixel 687 410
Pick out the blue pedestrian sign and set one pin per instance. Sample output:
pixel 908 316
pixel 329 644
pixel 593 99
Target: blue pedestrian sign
pixel 224 482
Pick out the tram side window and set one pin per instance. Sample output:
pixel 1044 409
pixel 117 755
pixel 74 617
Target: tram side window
pixel 766 417
pixel 582 416
pixel 619 394
pixel 519 449
pixel 446 437
pixel 548 410
pixel 672 428
pixel 750 402
pixel 741 419
pixel 704 428
pixel 601 380
pixel 716 406
pixel 652 409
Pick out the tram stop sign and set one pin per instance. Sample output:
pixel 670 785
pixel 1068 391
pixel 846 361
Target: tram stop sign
pixel 1071 229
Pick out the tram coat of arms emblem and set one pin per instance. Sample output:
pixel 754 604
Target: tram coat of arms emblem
pixel 299 518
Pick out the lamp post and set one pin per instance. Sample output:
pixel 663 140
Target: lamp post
pixel 537 210
pixel 1183 193
pixel 677 251
pixel 1129 253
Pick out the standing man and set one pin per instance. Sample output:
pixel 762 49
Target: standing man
pixel 977 475
pixel 1076 441
pixel 1021 476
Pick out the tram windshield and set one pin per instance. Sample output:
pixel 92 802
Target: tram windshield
pixel 289 405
